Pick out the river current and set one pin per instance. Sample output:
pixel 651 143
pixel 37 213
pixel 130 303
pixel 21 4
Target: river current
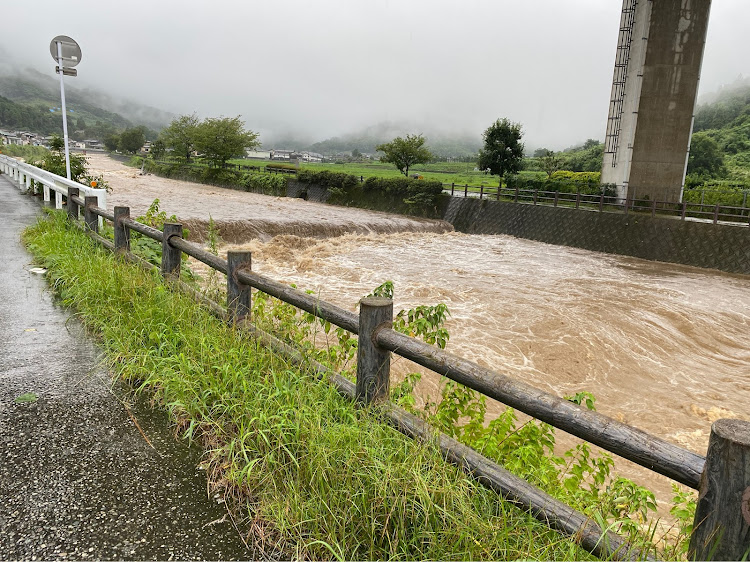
pixel 663 347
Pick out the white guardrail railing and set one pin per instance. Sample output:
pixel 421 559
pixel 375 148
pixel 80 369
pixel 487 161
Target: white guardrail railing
pixel 30 177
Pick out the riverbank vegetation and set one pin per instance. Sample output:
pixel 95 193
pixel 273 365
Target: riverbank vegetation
pixel 309 474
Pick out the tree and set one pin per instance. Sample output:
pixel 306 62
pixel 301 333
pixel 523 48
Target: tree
pixel 158 148
pixel 705 159
pixel 550 162
pixel 181 134
pixel 587 158
pixel 131 140
pixel 405 152
pixel 503 150
pixel 111 142
pixel 54 161
pixel 56 143
pixel 220 139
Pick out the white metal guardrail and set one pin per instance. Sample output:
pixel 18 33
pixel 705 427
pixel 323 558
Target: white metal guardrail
pixel 27 177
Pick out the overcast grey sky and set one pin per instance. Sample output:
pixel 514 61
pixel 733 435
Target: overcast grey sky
pixel 332 66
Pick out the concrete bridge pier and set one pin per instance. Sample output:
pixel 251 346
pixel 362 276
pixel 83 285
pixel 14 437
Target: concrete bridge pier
pixel 654 90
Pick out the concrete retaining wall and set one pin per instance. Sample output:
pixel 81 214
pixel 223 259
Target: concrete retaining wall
pixel 726 248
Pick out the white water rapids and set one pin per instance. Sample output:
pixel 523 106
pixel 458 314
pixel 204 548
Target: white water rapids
pixel 662 347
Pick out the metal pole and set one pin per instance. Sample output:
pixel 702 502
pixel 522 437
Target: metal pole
pixel 64 111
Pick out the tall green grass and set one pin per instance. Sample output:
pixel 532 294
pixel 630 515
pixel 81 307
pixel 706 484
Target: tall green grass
pixel 312 475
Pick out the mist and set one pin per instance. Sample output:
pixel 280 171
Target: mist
pixel 311 71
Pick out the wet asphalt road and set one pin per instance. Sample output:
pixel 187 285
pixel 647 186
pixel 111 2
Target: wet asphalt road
pixel 77 479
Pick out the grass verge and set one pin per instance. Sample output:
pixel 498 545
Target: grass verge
pixel 312 475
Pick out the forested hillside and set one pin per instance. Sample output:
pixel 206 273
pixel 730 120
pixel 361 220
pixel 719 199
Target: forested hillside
pixel 721 141
pixel 31 101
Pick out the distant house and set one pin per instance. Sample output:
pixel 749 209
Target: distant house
pixel 93 144
pixel 258 154
pixel 146 148
pixel 311 157
pixel 13 139
pixel 277 154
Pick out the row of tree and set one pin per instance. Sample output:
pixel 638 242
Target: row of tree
pixel 501 155
pixel 217 139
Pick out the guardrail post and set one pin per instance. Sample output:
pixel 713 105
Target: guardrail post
pixel 122 232
pixel 72 205
pixel 91 220
pixel 453 188
pixel 653 208
pixel 516 197
pixel 716 213
pixel 601 202
pixel 58 200
pixel 721 529
pixel 373 364
pixel 684 210
pixel 481 191
pixel 466 190
pixel 171 257
pixel 238 294
pixel 557 198
pixel 29 183
pixel 45 192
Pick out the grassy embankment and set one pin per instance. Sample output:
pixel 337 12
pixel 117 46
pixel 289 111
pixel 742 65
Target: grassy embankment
pixel 460 173
pixel 308 471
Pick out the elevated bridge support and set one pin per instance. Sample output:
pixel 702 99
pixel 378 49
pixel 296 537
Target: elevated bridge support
pixel 654 89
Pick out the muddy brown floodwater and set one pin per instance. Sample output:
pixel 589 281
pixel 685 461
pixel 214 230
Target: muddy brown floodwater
pixel 662 347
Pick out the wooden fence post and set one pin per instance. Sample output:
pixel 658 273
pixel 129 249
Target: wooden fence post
pixel 72 206
pixel 373 364
pixel 721 529
pixel 91 220
pixel 238 294
pixel 122 232
pixel 170 257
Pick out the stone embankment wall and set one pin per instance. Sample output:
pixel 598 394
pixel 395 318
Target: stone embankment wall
pixel 701 244
pixel 660 238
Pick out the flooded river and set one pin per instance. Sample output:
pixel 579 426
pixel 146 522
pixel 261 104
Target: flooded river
pixel 663 347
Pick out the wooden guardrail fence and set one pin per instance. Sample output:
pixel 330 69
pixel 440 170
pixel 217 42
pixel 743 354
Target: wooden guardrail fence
pixel 722 521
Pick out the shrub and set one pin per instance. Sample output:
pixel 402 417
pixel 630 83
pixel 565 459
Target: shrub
pixel 415 193
pixel 281 167
pixel 264 183
pixel 563 181
pixel 329 180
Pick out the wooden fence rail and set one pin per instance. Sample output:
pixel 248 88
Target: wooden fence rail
pixel 723 517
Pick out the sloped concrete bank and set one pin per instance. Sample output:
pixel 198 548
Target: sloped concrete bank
pixel 700 244
pixel 659 238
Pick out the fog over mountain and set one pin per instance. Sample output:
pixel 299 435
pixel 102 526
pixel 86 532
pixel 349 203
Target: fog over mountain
pixel 312 71
pixel 27 84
